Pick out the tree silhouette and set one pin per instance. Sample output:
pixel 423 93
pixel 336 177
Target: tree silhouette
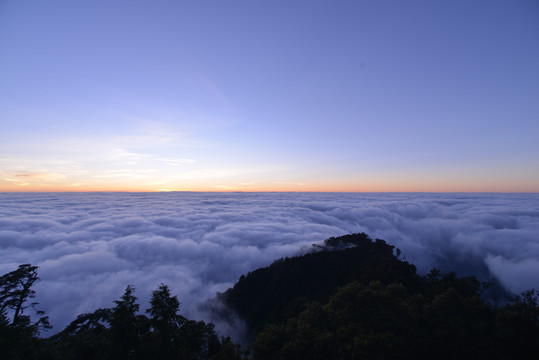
pixel 127 329
pixel 165 322
pixel 15 291
pixel 353 299
pixel 17 331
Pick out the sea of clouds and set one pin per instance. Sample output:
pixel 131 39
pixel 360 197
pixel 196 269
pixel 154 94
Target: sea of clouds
pixel 90 246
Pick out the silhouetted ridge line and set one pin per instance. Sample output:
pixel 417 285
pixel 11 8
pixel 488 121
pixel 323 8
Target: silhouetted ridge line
pixel 350 298
pixel 274 293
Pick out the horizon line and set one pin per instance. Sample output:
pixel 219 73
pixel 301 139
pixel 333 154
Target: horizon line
pixel 269 191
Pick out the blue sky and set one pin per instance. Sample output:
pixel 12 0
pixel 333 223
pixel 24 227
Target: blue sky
pixel 260 95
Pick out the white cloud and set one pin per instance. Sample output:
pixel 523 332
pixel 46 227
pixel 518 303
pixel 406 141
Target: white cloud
pixel 516 276
pixel 89 246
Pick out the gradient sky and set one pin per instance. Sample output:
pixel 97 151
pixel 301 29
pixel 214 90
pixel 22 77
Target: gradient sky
pixel 269 95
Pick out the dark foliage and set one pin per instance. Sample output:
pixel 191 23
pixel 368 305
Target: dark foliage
pixel 18 332
pixel 352 298
pixel 355 299
pixel 282 290
pixel 115 333
pixel 121 333
pixel 389 322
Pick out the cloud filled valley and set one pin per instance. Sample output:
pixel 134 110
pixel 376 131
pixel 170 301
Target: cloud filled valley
pixel 90 246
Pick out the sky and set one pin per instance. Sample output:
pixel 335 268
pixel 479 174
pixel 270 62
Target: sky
pixel 90 246
pixel 239 95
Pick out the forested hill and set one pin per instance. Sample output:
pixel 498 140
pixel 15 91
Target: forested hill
pixel 355 298
pixel 276 292
pixel 351 298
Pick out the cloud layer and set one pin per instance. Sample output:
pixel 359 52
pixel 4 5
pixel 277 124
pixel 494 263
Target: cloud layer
pixel 90 246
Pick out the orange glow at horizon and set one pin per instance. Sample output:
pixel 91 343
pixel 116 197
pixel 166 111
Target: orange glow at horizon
pixel 349 186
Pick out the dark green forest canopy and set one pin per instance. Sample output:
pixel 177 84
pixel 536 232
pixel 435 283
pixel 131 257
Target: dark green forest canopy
pixel 350 298
pixel 356 298
pixel 120 332
pixel 282 289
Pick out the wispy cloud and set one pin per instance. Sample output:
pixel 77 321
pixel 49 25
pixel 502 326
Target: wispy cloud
pixel 31 176
pixel 76 161
pixel 289 183
pixel 25 179
pixel 18 183
pixel 177 162
pixel 226 187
